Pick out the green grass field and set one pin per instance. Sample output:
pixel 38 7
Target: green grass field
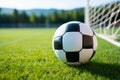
pixel 26 54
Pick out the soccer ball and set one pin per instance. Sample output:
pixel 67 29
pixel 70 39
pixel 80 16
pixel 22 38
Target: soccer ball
pixel 74 43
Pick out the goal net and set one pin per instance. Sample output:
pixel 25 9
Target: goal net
pixel 104 17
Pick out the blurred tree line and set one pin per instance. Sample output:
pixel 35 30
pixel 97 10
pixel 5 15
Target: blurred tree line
pixel 54 17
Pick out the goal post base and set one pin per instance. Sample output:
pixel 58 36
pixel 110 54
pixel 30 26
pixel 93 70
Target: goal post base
pixel 108 39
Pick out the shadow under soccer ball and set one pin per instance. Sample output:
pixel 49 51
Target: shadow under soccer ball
pixel 110 71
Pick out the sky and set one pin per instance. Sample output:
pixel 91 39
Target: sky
pixel 47 4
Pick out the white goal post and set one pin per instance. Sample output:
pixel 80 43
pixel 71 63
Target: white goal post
pixel 104 17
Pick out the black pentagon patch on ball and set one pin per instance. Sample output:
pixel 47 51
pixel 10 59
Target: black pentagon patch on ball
pixel 72 56
pixel 73 27
pixel 87 41
pixel 58 43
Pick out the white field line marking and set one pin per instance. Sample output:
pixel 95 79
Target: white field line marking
pixel 109 40
pixel 18 39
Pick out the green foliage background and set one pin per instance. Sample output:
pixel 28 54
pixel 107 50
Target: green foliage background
pixel 55 17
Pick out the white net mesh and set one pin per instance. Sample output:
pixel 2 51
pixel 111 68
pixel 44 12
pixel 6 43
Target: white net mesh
pixel 104 16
